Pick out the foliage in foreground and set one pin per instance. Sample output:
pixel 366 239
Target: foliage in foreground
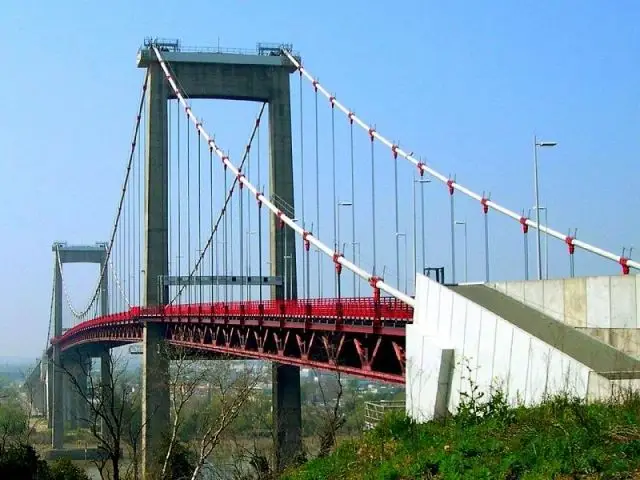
pixel 562 438
pixel 21 461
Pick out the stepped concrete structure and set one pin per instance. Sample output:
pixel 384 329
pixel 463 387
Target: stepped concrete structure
pixel 475 334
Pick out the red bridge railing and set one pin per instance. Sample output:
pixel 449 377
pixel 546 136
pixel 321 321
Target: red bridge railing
pixel 366 309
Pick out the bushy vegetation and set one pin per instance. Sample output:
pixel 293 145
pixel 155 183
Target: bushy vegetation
pixel 562 438
pixel 20 461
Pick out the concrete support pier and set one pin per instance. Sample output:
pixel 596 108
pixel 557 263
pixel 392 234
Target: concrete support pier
pixel 65 402
pixel 155 373
pixel 260 77
pixel 287 414
pixel 106 390
pixel 57 403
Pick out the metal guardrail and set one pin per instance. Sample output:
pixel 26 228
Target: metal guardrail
pixel 374 412
pixel 262 48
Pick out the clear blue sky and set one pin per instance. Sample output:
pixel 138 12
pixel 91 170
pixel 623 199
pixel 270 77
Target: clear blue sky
pixel 464 83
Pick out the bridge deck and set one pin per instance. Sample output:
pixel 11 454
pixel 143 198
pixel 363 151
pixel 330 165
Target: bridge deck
pixel 358 336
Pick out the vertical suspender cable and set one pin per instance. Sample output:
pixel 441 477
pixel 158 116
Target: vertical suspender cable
pixel 169 200
pixel 424 238
pixel 121 259
pixel 189 207
pixel 239 178
pixel 373 202
pixel 397 219
pixel 305 274
pixel 136 222
pixel 241 235
pixel 214 250
pixel 353 204
pixel 453 236
pixel 318 196
pixel 336 247
pixel 248 297
pixel 414 232
pixel 179 256
pixel 225 244
pixel 259 219
pixel 486 242
pixel 199 213
pixel 130 226
pixel 141 190
pixel 231 241
pixel 525 230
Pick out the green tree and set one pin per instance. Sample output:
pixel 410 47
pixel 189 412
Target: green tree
pixel 114 409
pixel 21 461
pixel 64 469
pixel 14 420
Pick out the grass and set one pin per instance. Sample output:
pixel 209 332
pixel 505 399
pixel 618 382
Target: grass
pixel 563 438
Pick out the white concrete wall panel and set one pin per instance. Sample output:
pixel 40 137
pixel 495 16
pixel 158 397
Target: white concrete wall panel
pixel 516 290
pixel 539 358
pixel 486 350
pixel 534 295
pixel 637 280
pixel 502 355
pixel 519 366
pixel 623 302
pixel 471 342
pixel 575 302
pixel 446 309
pixel 553 299
pixel 500 286
pixel 598 302
pixel 433 308
pixel 496 351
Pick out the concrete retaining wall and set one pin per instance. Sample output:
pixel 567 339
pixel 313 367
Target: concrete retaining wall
pixel 586 302
pixel 473 334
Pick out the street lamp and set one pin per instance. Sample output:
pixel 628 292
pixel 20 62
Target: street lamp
pixel 546 242
pixel 421 181
pixel 466 265
pixel 337 244
pixel 249 234
pixel 537 144
pixel 285 256
pixel 340 204
pixel 287 259
pixel 404 235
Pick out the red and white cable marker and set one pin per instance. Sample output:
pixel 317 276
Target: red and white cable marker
pixel 338 258
pixel 571 242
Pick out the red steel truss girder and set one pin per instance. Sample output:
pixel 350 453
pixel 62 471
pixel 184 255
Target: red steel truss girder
pixel 358 372
pixel 369 355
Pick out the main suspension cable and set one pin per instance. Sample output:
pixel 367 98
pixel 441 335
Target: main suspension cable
pixel 80 314
pixel 571 241
pixel 375 282
pixel 227 199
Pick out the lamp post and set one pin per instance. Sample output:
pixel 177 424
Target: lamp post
pixel 404 235
pixel 421 181
pixel 546 242
pixel 466 265
pixel 249 234
pixel 338 205
pixel 537 144
pixel 287 290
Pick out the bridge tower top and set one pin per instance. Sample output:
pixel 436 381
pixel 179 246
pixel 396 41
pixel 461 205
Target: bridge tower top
pixel 265 54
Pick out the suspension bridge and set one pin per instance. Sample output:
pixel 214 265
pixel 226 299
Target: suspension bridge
pixel 219 254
